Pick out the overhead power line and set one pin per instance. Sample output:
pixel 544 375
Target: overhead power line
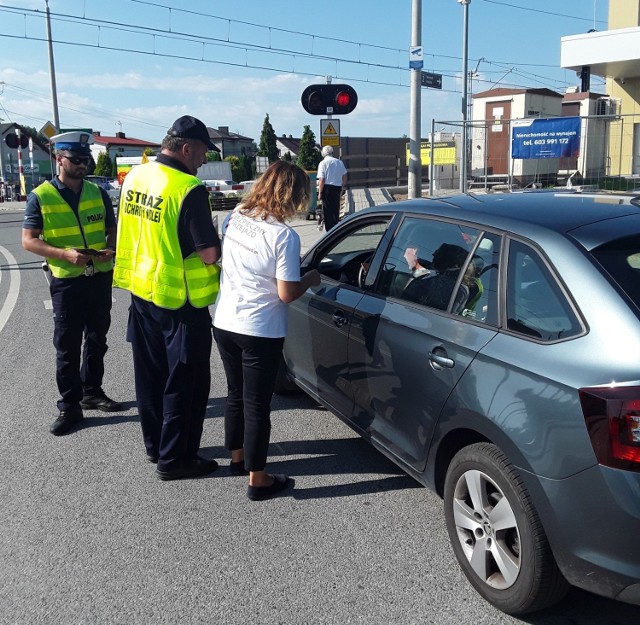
pixel 532 10
pixel 249 47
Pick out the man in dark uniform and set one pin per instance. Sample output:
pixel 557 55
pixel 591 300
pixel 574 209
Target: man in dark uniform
pixel 70 222
pixel 166 255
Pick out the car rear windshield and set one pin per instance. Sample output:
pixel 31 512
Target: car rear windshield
pixel 621 259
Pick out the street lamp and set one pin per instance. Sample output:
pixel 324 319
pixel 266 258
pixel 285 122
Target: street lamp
pixel 465 62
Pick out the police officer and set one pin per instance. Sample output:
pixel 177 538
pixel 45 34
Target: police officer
pixel 70 222
pixel 167 247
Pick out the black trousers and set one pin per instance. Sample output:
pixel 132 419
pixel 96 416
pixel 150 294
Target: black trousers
pixel 171 363
pixel 251 365
pixel 331 205
pixel 82 316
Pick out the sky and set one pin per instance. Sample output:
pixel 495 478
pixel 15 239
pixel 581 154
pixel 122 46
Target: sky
pixel 134 66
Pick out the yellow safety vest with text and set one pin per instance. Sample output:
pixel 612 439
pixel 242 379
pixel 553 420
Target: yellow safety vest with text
pixel 149 260
pixel 64 229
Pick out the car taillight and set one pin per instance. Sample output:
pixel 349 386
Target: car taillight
pixel 237 187
pixel 613 422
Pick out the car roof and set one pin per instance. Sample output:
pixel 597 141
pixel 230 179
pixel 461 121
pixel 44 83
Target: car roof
pixel 560 211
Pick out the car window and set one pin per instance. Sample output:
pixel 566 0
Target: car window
pixel 621 259
pixel 427 264
pixel 481 275
pixel 347 259
pixel 536 305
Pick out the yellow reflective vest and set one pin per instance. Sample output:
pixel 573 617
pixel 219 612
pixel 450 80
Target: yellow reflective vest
pixel 64 229
pixel 149 260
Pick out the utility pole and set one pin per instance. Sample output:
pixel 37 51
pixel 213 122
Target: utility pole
pixel 415 166
pixel 465 62
pixel 52 73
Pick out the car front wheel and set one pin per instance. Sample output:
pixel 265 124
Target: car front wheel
pixel 496 533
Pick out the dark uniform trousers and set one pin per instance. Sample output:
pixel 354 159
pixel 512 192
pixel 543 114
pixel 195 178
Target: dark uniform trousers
pixel 171 362
pixel 331 205
pixel 81 308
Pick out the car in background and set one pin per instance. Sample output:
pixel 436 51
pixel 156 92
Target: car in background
pixel 226 187
pixel 489 345
pixel 110 185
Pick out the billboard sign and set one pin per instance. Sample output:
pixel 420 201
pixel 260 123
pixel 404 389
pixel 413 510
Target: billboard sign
pixel 546 138
pixel 444 153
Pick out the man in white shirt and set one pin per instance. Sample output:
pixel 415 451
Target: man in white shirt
pixel 332 177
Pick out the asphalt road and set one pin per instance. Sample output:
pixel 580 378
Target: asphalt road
pixel 90 535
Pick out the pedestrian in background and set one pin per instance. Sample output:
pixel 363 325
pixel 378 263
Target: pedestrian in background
pixel 70 222
pixel 332 178
pixel 166 255
pixel 260 276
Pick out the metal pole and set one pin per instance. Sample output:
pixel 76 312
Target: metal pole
pixel 23 186
pixel 465 62
pixel 52 73
pixel 2 174
pixel 415 166
pixel 431 156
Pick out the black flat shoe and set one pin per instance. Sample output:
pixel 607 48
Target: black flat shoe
pixel 260 493
pixel 66 420
pixel 100 402
pixel 237 468
pixel 198 467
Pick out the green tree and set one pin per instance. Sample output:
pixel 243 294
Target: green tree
pixel 237 172
pixel 213 156
pixel 149 151
pixel 114 167
pixel 104 165
pixel 268 146
pixel 287 157
pixel 309 156
pixel 245 168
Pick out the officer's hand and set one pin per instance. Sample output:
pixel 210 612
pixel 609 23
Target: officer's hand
pixel 107 254
pixel 75 257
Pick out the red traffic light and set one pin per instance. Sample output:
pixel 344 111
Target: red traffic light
pixel 343 99
pixel 329 99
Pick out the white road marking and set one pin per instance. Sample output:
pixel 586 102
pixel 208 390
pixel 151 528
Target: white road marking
pixel 14 287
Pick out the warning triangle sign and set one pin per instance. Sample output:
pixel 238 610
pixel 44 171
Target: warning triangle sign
pixel 330 130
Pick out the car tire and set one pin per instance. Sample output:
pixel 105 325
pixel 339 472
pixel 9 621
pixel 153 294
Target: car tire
pixel 496 533
pixel 284 384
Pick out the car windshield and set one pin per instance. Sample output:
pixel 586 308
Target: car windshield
pixel 621 259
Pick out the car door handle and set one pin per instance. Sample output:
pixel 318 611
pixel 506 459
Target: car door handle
pixel 441 361
pixel 339 319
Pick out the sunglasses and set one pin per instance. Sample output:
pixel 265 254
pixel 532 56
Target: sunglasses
pixel 77 160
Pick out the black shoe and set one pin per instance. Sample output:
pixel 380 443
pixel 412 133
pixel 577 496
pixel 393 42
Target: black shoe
pixel 152 459
pixel 259 493
pixel 65 421
pixel 237 468
pixel 100 402
pixel 194 468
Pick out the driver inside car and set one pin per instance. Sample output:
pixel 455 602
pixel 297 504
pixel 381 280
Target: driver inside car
pixel 433 286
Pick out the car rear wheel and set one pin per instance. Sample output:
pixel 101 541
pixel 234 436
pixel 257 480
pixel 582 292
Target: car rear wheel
pixel 496 533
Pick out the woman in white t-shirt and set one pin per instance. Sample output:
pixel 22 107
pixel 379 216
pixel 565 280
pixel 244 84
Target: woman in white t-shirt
pixel 260 276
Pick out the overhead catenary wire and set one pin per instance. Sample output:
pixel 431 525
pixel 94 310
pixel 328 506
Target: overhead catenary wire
pixel 249 48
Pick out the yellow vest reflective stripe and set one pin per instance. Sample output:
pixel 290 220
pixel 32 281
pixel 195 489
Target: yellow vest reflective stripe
pixel 64 229
pixel 149 260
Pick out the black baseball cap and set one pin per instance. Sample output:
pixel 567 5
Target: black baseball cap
pixel 188 127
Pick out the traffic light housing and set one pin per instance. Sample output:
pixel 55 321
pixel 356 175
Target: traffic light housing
pixel 329 99
pixel 11 139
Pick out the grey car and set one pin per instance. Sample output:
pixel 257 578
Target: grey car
pixel 490 346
